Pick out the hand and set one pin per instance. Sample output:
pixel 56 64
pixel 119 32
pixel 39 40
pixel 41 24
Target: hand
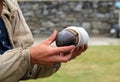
pixel 44 53
pixel 78 51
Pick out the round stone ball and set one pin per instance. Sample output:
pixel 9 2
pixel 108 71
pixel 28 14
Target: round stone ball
pixel 65 38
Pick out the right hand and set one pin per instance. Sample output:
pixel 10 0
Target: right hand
pixel 43 53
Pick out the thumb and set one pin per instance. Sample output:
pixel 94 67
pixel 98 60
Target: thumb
pixel 52 37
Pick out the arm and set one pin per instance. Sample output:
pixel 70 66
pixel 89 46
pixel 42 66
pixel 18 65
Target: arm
pixel 34 62
pixel 16 62
pixel 40 71
pixel 50 66
pixel 36 70
pixel 13 64
pixel 44 58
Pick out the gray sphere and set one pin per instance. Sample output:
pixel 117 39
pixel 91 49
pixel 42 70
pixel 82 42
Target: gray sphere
pixel 65 38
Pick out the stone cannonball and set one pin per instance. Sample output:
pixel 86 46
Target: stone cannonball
pixel 72 35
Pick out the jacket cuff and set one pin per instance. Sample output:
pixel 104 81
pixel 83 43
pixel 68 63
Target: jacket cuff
pixel 26 54
pixel 56 65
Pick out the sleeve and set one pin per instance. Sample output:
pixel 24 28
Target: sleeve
pixel 40 71
pixel 13 64
pixel 16 63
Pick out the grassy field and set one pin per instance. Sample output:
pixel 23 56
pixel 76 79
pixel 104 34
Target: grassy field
pixel 97 64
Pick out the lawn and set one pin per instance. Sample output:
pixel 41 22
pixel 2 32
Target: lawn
pixel 97 64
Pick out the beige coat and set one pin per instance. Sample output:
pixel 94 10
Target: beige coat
pixel 15 64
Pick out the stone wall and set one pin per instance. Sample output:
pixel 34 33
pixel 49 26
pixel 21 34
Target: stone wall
pixel 97 17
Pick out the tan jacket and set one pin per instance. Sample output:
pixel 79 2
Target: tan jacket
pixel 16 64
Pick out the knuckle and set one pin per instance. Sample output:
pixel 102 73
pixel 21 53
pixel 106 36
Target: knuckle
pixel 66 60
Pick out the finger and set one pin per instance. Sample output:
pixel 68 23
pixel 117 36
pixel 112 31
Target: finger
pixel 77 51
pixel 85 47
pixel 58 58
pixel 52 37
pixel 64 49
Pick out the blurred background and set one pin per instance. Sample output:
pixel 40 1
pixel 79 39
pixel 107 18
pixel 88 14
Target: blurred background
pixel 100 18
pixel 96 16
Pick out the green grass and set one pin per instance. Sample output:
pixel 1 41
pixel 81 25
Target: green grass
pixel 97 64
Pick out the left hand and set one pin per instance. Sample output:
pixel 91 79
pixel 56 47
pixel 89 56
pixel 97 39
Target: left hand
pixel 78 50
